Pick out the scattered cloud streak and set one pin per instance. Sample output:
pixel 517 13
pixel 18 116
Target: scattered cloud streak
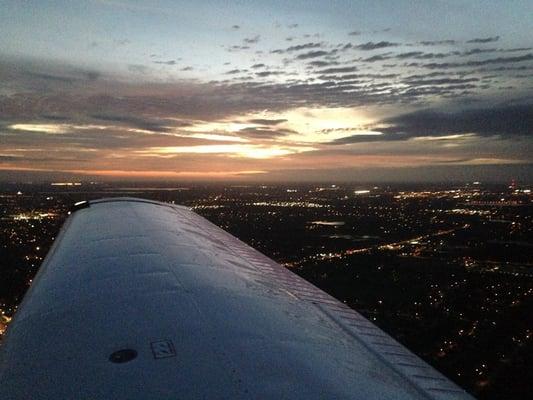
pixel 252 40
pixel 314 105
pixel 376 45
pixel 484 40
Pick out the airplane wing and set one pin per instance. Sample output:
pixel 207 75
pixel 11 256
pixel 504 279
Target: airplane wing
pixel 145 300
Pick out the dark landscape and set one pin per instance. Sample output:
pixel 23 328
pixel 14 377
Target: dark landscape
pixel 445 269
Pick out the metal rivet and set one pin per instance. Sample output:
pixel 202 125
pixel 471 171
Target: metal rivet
pixel 123 356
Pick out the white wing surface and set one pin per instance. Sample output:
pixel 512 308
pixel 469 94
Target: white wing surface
pixel 146 300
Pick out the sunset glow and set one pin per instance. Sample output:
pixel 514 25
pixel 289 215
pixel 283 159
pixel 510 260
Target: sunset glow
pixel 238 150
pixel 343 90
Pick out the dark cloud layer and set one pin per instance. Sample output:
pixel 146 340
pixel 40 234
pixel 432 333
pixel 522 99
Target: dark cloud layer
pixel 78 94
pixel 502 120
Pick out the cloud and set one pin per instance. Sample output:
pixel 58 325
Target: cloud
pixel 484 40
pixel 137 122
pixel 53 78
pixel 179 108
pixel 516 49
pixel 378 57
pixel 95 140
pixel 322 63
pixel 424 56
pixel 263 89
pixel 503 120
pixel 376 45
pixel 30 98
pixel 263 74
pixel 313 54
pixel 337 87
pixel 338 70
pixel 478 51
pixel 499 60
pixel 410 54
pixel 170 62
pixel 264 132
pixel 304 46
pixel 40 76
pixel 252 40
pixel 506 68
pixel 442 81
pixel 51 117
pixel 357 76
pixel 113 113
pixel 263 121
pixel 237 47
pixel 438 42
pixel 420 55
pixel 9 157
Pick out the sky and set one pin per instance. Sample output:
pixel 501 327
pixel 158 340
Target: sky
pixel 266 90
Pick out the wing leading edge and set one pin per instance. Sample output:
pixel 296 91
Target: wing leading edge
pixel 139 299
